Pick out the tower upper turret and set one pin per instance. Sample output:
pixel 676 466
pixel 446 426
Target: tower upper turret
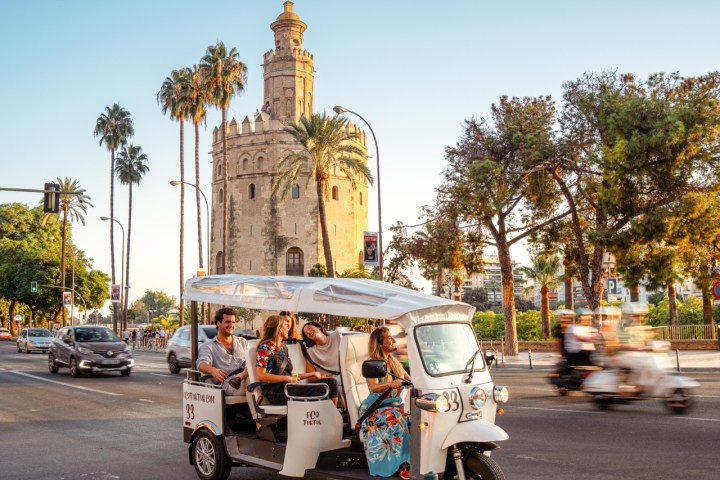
pixel 288 29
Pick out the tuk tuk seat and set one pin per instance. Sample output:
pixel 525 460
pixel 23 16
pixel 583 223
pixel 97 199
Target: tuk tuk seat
pixel 353 352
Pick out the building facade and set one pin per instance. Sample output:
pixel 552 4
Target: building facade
pixel 267 235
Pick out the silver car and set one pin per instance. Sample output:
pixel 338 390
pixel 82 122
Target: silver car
pixel 37 339
pixel 178 352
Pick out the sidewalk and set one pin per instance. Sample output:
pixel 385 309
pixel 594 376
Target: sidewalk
pixel 690 360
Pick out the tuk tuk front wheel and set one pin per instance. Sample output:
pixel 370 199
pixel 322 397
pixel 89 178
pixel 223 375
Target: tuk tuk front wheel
pixel 477 466
pixel 209 457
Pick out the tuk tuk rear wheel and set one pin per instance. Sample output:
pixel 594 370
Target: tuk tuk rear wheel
pixel 209 457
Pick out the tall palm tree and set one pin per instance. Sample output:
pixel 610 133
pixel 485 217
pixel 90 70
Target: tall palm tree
pixel 173 99
pixel 114 127
pixel 130 167
pixel 224 76
pixel 544 272
pixel 73 206
pixel 197 103
pixel 326 144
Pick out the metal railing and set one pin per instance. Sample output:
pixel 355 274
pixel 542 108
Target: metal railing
pixel 686 332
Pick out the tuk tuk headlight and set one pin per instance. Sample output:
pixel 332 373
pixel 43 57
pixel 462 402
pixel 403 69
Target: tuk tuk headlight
pixel 433 402
pixel 478 397
pixel 501 394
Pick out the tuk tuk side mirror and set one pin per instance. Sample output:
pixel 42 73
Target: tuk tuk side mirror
pixel 489 357
pixel 374 369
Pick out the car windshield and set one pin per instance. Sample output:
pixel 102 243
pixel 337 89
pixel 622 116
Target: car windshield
pixel 210 331
pixel 99 334
pixel 39 332
pixel 446 347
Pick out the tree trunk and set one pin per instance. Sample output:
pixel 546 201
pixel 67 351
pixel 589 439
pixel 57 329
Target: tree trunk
pixel 508 290
pixel 182 220
pixel 127 257
pixel 635 293
pixel 440 281
pixel 62 265
pixel 226 196
pixel 707 307
pixel 112 228
pixel 568 281
pixel 323 227
pixel 545 310
pixel 197 198
pixel 672 307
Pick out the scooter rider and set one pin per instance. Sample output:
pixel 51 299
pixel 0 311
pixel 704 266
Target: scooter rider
pixel 579 343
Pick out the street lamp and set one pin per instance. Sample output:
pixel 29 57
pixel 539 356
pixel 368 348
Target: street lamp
pixel 122 271
pixel 175 183
pixel 340 110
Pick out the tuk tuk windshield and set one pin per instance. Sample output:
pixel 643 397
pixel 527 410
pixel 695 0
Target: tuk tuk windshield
pixel 445 348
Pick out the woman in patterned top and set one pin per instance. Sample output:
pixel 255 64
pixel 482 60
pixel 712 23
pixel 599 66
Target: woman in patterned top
pixel 386 433
pixel 273 365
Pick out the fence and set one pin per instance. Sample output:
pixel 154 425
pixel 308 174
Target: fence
pixel 686 332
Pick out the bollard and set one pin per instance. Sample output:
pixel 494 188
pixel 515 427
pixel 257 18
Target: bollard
pixel 502 349
pixel 530 358
pixel 677 359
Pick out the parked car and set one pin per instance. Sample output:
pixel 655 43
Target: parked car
pixel 247 333
pixel 88 348
pixel 178 352
pixel 5 334
pixel 31 339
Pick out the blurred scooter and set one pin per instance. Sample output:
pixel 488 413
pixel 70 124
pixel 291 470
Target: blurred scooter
pixel 570 378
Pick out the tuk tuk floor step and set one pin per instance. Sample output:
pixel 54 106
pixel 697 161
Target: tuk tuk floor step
pixel 340 473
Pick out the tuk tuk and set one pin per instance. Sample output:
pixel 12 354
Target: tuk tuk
pixel 452 399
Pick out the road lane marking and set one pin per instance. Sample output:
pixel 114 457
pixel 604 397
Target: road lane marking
pixel 700 419
pixel 164 375
pixel 88 389
pixel 556 410
pixel 146 400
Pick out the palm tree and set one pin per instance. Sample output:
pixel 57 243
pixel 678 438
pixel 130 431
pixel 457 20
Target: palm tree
pixel 544 271
pixel 130 167
pixel 114 127
pixel 73 205
pixel 224 76
pixel 197 102
pixel 326 144
pixel 173 99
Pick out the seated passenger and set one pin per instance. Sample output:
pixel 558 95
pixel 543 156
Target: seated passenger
pixel 321 349
pixel 293 334
pixel 225 354
pixel 386 432
pixel 273 365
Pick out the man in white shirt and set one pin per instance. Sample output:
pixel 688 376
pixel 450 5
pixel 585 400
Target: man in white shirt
pixel 225 354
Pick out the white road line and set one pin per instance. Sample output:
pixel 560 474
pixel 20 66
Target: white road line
pixel 700 419
pixel 555 410
pixel 146 400
pixel 164 375
pixel 66 384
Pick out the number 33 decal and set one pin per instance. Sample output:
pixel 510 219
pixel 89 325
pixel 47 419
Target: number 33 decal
pixel 453 400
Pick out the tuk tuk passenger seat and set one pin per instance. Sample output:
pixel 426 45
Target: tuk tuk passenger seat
pixel 353 352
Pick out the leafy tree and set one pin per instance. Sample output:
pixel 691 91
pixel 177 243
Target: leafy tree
pixel 174 99
pixel 131 166
pixel 398 261
pixel 318 270
pixel 159 302
pixel 114 127
pixel 224 75
pixel 326 144
pixel 544 272
pixel 495 173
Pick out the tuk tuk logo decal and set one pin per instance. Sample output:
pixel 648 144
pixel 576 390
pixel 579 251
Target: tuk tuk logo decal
pixel 312 418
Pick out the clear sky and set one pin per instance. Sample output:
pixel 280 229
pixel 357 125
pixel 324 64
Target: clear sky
pixel 414 69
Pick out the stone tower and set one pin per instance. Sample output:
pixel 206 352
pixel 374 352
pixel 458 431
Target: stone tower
pixel 269 236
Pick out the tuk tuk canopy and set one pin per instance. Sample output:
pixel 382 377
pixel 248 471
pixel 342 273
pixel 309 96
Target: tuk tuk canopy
pixel 348 297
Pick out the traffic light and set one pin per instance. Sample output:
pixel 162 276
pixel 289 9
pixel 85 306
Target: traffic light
pixel 33 287
pixel 51 200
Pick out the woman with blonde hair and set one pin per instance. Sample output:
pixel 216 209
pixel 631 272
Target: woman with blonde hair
pixel 294 335
pixel 386 433
pixel 273 365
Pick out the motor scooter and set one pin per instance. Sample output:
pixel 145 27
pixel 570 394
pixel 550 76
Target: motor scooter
pixel 640 374
pixel 570 378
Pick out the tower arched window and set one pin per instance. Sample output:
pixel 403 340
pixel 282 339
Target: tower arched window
pixel 252 190
pixel 335 193
pixel 296 191
pixel 361 198
pixel 260 163
pixel 294 264
pixel 219 263
pixel 222 196
pixel 245 164
pixel 219 170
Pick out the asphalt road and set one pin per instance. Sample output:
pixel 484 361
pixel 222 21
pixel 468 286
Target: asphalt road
pixel 113 427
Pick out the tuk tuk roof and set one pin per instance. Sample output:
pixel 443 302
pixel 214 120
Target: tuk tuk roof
pixel 349 297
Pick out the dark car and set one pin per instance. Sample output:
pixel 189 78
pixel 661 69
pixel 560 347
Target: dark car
pixel 178 352
pixel 89 348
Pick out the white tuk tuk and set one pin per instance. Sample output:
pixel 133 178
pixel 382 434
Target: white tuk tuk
pixel 452 400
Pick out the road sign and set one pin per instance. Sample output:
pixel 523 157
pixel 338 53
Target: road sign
pixel 370 249
pixel 612 289
pixel 716 290
pixel 18 317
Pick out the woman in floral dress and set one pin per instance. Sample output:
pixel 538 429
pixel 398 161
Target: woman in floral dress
pixel 386 432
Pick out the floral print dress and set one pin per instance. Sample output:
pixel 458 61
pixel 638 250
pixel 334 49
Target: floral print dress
pixel 385 434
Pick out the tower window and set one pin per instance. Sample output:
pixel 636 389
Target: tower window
pixel 296 191
pixel 252 191
pixel 335 193
pixel 222 196
pixel 294 262
pixel 361 198
pixel 219 170
pixel 260 160
pixel 245 163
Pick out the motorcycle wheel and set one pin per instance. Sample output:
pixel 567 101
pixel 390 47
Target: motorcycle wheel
pixel 477 466
pixel 602 401
pixel 209 457
pixel 679 401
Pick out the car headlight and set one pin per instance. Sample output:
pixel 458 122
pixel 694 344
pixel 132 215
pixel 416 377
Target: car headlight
pixel 433 402
pixel 127 350
pixel 501 394
pixel 84 350
pixel 478 397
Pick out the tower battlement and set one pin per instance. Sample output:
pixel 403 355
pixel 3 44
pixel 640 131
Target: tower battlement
pixel 264 123
pixel 280 53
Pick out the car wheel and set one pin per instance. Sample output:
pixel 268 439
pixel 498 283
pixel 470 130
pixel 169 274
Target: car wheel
pixel 18 348
pixel 173 365
pixel 51 363
pixel 209 457
pixel 74 368
pixel 27 349
pixel 126 372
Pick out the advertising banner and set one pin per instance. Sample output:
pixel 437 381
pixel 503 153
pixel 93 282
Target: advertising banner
pixel 370 249
pixel 115 293
pixel 67 299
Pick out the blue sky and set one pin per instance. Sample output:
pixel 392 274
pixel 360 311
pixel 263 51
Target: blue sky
pixel 414 69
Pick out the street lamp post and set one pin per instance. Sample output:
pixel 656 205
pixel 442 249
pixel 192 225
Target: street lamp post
pixel 175 183
pixel 339 110
pixel 122 273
